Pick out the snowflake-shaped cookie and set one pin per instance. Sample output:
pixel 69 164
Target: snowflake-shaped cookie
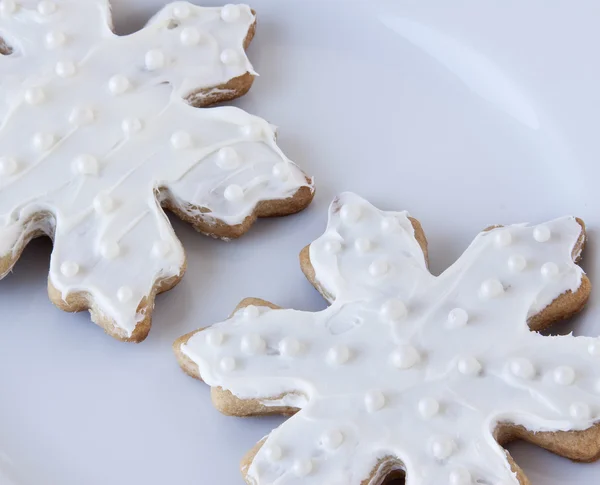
pixel 407 372
pixel 98 134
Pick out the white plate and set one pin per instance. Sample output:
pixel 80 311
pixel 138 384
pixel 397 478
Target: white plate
pixel 466 113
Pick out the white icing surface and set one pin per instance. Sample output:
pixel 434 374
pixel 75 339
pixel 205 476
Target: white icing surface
pixel 467 372
pixel 93 125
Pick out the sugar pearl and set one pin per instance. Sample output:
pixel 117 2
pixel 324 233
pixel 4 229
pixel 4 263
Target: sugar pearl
pixel 55 39
pixel 8 6
pixel 161 248
pixel 338 355
pixel 34 96
pixel 549 270
pixel 131 126
pixel 124 294
pixel 190 36
pixel 118 84
pixel 564 375
pixel 379 267
pixel 594 348
pixel 273 452
pixel 43 141
pixel 281 171
pixel 289 347
pixel 109 249
pixel 252 131
pixel 181 140
pixel 85 164
pixel 103 203
pixel 332 246
pixel 228 158
pixel 332 439
pixel 502 237
pixel 442 447
pixel 541 233
pixel 46 7
pixel 233 193
pixel 154 59
pixel 182 11
pixel 460 476
pixel 69 269
pixel 227 364
pixel 350 213
pixel 230 13
pixel 362 244
pixel 517 263
pixel 458 317
pixel 302 467
pixel 469 366
pixel 215 338
pixel 251 311
pixel 389 224
pixel 81 115
pixel 65 69
pixel 393 310
pixel 580 410
pixel 522 368
pixel 374 401
pixel 428 407
pixel 229 56
pixel 8 166
pixel 405 357
pixel 253 344
pixel 491 288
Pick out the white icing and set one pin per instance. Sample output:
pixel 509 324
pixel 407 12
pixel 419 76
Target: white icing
pixel 503 374
pixel 71 88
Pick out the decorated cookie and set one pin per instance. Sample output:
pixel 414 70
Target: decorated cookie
pixel 407 372
pixel 100 133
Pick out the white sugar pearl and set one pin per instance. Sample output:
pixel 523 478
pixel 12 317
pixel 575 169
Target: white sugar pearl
pixel 65 69
pixel 469 366
pixel 502 237
pixel 131 126
pixel 229 56
pixel 517 263
pixel 69 269
pixel 350 213
pixel 442 447
pixel 8 166
pixel 34 96
pixel 491 288
pixel 253 344
pixel 549 270
pixel 43 141
pixel 190 36
pixel 393 310
pixel 103 203
pixel 55 39
pixel 273 452
pixel 301 468
pixel 338 355
pixel 594 348
pixel 405 357
pixel 85 165
pixel 332 246
pixel 564 375
pixel 46 7
pixel 580 410
pixel 428 407
pixel 458 317
pixel 233 193
pixel 332 439
pixel 124 294
pixel 182 11
pixel 118 84
pixel 522 368
pixel 389 224
pixel 541 233
pixel 460 476
pixel 250 312
pixel 81 115
pixel 252 131
pixel 109 249
pixel 154 59
pixel 289 347
pixel 362 244
pixel 227 364
pixel 379 267
pixel 160 248
pixel 8 6
pixel 374 401
pixel 281 171
pixel 230 13
pixel 215 338
pixel 181 140
pixel 228 158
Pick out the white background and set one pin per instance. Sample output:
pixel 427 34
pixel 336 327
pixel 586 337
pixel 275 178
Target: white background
pixel 466 113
